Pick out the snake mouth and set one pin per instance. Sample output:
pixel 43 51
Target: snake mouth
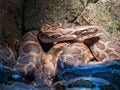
pixel 46 40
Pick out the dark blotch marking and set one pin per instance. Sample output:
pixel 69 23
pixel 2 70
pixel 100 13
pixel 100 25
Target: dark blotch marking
pixel 31 47
pixel 4 51
pixel 108 51
pixel 91 41
pixel 29 37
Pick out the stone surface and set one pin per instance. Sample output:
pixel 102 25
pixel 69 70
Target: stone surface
pixel 40 12
pixel 105 13
pixel 10 19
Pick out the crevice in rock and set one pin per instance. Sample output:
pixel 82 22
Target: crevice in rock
pixel 23 18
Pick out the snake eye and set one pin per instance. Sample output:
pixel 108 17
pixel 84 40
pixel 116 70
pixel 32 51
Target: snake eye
pixel 55 36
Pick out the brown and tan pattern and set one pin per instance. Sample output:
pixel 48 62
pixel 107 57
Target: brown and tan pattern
pixel 45 76
pixel 62 32
pixel 8 56
pixel 75 45
pixel 74 53
pixel 77 53
pixel 30 54
pixel 85 41
pixel 62 55
pixel 102 47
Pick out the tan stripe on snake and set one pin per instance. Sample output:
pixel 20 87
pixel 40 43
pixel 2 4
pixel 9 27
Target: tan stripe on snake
pixel 32 58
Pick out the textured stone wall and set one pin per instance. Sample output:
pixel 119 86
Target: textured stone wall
pixel 105 13
pixel 10 19
pixel 39 12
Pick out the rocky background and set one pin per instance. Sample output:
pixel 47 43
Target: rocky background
pixel 20 16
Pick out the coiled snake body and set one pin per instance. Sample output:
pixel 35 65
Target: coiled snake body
pixel 75 46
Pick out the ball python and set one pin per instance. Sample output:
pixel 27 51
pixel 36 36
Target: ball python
pixel 30 54
pixel 100 45
pixel 7 61
pixel 33 59
pixel 7 56
pixel 66 52
pixel 30 51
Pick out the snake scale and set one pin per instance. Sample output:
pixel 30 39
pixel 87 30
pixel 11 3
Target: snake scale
pixel 76 51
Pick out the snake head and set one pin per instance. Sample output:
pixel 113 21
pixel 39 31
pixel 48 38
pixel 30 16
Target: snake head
pixel 57 32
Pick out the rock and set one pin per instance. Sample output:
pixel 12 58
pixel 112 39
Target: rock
pixel 10 19
pixel 37 13
pixel 105 13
